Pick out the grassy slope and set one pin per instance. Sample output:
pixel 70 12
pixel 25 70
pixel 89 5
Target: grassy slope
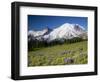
pixel 53 55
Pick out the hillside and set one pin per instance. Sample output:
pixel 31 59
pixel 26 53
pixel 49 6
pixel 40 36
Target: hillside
pixel 65 54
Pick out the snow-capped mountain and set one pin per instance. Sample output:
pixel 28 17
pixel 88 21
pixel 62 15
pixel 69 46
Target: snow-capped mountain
pixel 65 31
pixel 38 35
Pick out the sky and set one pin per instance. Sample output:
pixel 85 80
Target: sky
pixel 40 22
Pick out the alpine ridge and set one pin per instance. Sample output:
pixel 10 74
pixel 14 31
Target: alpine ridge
pixel 65 31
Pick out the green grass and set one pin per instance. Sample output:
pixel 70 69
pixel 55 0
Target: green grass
pixel 55 55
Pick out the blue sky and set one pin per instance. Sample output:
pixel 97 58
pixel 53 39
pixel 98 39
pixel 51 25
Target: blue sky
pixel 39 22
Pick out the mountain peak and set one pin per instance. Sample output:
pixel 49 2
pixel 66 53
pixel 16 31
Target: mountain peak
pixel 78 27
pixel 66 25
pixel 47 30
pixel 65 31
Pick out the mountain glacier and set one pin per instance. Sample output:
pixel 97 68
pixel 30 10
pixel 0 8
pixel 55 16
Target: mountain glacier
pixel 65 31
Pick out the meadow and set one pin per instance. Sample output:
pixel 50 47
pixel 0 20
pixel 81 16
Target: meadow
pixel 64 54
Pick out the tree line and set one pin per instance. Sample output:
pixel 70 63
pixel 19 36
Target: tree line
pixel 36 44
